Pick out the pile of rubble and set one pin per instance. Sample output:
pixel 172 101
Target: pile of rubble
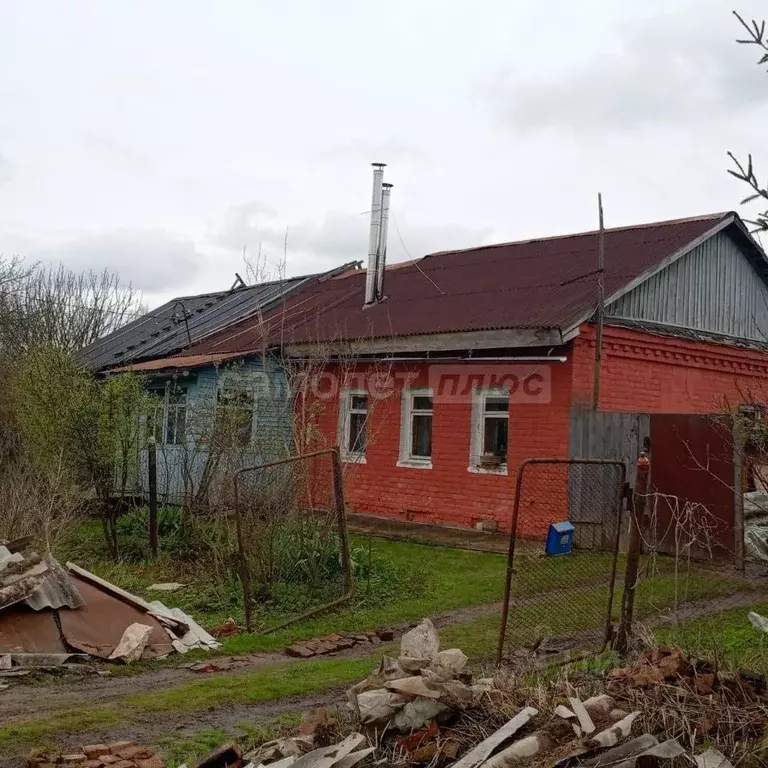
pixel 425 708
pixel 52 615
pixel 321 646
pixel 120 754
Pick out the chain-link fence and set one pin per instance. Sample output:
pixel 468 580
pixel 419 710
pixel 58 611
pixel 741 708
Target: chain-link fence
pixel 292 539
pixel 557 603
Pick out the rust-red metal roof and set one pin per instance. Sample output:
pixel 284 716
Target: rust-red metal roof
pixel 546 283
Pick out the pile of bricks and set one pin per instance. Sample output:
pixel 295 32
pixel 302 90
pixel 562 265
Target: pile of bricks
pixel 120 754
pixel 340 641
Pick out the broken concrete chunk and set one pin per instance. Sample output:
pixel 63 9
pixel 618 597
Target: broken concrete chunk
pixel 585 721
pixel 378 705
pixel 453 658
pixel 417 713
pixel 421 642
pixel 353 759
pixel 713 758
pixel 412 686
pixel 132 643
pixel 563 711
pixel 600 706
pixel 412 665
pixel 390 669
pixel 613 735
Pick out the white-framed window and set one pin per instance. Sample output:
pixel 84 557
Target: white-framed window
pixel 168 421
pixel 416 429
pixel 353 424
pixel 490 431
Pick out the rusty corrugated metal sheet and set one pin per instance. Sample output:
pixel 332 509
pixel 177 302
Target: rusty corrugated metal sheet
pixel 97 627
pixel 23 630
pixel 175 363
pixel 547 283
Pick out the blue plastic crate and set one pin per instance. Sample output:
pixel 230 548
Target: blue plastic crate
pixel 559 539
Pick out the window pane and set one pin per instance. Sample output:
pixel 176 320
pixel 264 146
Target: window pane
pixel 495 436
pixel 421 437
pixel 359 402
pixel 356 436
pixel 177 422
pixel 422 403
pixel 497 403
pixel 176 419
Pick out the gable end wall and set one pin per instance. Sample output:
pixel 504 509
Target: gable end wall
pixel 713 288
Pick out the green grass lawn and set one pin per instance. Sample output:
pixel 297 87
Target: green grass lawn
pixel 410 581
pixel 726 637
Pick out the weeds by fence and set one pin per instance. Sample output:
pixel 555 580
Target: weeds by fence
pixel 292 536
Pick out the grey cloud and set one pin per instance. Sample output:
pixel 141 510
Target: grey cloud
pixel 315 245
pixel 150 259
pixel 677 69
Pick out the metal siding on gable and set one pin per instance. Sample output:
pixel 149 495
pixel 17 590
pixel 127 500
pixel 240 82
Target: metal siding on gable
pixel 713 288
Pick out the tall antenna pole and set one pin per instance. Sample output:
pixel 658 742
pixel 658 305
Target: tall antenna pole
pixel 600 304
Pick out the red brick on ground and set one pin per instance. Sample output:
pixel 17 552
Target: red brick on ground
pixel 134 753
pixel 116 745
pixel 92 751
pixel 153 762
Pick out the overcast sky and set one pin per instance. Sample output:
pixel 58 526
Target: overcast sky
pixel 161 138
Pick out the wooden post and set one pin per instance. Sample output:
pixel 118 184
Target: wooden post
pixel 152 471
pixel 600 305
pixel 637 525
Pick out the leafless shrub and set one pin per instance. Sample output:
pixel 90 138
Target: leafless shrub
pixel 54 306
pixel 40 502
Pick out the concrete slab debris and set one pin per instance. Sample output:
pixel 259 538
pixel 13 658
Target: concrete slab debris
pixel 132 644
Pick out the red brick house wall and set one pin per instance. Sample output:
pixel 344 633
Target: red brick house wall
pixel 448 493
pixel 649 373
pixel 641 372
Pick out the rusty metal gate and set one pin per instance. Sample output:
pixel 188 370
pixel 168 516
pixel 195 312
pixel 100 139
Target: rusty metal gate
pixel 290 521
pixel 558 603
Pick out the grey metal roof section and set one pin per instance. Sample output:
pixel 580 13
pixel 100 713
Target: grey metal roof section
pixel 182 321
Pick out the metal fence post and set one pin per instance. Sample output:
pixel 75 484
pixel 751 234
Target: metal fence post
pixel 152 471
pixel 637 521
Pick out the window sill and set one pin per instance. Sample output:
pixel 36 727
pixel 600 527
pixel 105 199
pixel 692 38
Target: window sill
pixel 415 463
pixel 478 470
pixel 353 458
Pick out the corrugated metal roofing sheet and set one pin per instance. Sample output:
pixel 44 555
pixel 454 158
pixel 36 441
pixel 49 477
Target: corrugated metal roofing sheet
pixel 170 328
pixel 547 283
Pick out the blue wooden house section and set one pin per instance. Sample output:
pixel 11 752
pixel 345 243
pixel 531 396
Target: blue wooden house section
pixel 211 420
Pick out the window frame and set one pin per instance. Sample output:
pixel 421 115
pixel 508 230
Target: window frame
pixel 479 416
pixel 345 413
pixel 407 412
pixel 158 427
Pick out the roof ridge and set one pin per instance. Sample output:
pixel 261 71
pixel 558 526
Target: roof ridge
pixel 647 225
